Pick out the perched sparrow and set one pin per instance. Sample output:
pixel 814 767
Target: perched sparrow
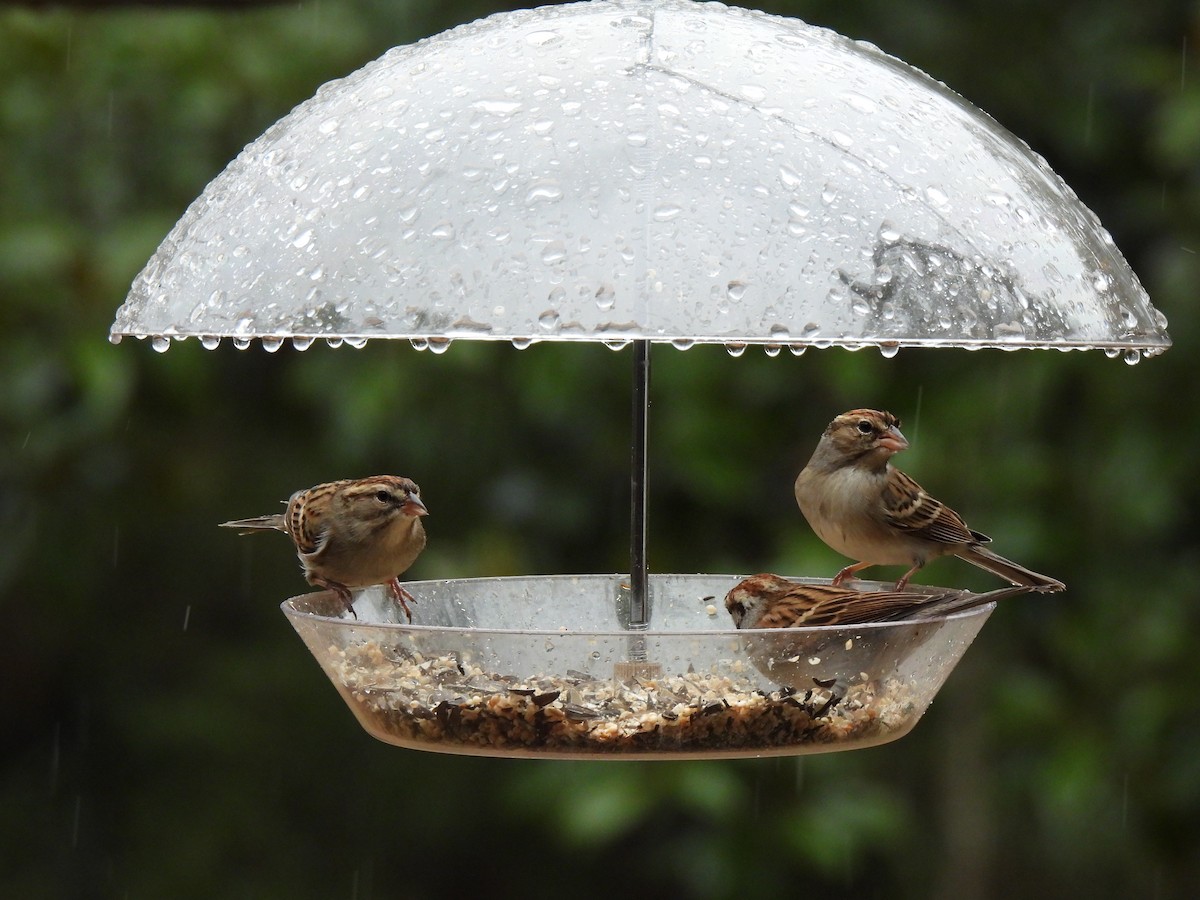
pixel 862 507
pixel 771 602
pixel 353 533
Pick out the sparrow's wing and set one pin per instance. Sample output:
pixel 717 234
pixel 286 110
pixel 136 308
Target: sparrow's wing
pixel 307 525
pixel 911 510
pixel 862 607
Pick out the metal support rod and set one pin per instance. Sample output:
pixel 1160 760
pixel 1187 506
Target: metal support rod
pixel 638 569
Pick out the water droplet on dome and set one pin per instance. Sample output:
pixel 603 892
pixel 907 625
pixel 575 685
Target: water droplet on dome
pixel 797 349
pixel 115 338
pixel 357 342
pixel 605 296
pixel 439 345
pixel 1132 357
pixel 617 344
pixel 419 343
pixel 936 196
pixel 543 192
pixel 302 343
pixel 502 108
pixel 333 342
pixel 857 101
pixel 735 290
pixel 548 319
pixel 1112 352
pixel 241 343
pixel 889 351
pixel 683 343
pixel 735 349
pixel 667 212
pixel 210 341
pixel 542 38
pixel 772 350
pixel 161 343
pixel 522 343
pixel 789 177
pixel 272 344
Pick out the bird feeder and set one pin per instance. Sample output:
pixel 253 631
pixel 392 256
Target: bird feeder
pixel 636 172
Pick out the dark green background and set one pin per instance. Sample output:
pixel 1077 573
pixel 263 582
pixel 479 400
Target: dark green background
pixel 166 734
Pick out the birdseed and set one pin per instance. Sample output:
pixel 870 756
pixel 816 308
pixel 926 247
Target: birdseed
pixel 450 704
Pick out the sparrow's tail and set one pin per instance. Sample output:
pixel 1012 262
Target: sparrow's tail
pixel 944 604
pixel 1009 570
pixel 258 523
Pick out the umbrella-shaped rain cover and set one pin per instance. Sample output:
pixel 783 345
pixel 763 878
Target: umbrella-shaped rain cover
pixel 642 169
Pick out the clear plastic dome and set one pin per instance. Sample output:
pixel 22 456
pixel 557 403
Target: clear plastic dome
pixel 642 169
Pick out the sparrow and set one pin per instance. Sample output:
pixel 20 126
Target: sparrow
pixel 771 601
pixel 799 659
pixel 864 508
pixel 352 533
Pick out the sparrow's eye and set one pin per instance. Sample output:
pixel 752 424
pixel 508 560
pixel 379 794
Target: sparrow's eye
pixel 865 427
pixel 383 496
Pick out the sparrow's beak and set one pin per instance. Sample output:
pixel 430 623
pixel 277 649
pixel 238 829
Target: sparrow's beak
pixel 413 506
pixel 893 440
pixel 737 611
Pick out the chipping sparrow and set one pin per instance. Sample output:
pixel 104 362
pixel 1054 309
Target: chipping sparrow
pixel 841 654
pixel 771 601
pixel 352 534
pixel 862 507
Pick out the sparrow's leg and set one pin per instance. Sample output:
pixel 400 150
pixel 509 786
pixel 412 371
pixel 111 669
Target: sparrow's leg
pixel 850 571
pixel 401 594
pixel 338 588
pixel 900 585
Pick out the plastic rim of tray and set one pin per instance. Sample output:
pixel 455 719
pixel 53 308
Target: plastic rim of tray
pixel 539 666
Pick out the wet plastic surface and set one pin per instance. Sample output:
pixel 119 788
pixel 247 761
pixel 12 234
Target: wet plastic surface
pixel 641 169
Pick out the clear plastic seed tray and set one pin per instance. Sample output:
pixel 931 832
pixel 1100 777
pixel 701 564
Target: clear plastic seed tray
pixel 540 666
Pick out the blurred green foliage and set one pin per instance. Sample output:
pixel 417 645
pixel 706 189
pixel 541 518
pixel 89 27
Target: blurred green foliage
pixel 165 734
